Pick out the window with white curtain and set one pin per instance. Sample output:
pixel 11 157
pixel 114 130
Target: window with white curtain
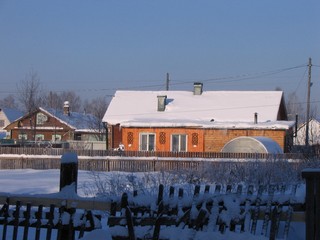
pixel 179 142
pixel 147 142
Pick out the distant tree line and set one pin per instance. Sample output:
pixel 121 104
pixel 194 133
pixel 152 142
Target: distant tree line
pixel 31 95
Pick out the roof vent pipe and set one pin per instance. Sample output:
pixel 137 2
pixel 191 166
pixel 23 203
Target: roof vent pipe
pixel 197 88
pixel 162 103
pixel 255 118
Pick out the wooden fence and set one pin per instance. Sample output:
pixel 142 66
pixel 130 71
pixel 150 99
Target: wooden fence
pixel 62 215
pixel 258 211
pixel 222 209
pixel 104 153
pixel 54 219
pixel 134 164
pixel 202 211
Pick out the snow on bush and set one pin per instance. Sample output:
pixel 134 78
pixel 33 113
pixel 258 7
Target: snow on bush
pixel 272 171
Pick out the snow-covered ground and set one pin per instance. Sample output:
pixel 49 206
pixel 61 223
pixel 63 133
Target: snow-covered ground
pixel 28 181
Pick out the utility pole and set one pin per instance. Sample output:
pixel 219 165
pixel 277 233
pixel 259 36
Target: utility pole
pixel 308 102
pixel 167 82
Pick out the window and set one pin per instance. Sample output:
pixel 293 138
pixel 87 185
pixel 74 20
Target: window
pixel 39 137
pixel 147 142
pixel 179 143
pixel 77 136
pixel 23 136
pixel 41 118
pixel 1 123
pixel 56 137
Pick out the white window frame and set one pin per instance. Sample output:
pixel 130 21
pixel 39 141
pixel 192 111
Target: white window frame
pixel 39 137
pixel 141 146
pixel 41 118
pixel 23 136
pixel 180 147
pixel 56 137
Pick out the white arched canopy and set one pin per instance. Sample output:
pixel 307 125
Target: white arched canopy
pixel 252 145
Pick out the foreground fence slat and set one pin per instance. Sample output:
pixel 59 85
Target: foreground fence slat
pixel 38 217
pixel 312 177
pixel 210 211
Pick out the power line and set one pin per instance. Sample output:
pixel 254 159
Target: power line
pixel 246 76
pixel 225 79
pixel 235 78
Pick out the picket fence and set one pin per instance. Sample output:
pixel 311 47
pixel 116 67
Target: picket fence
pixel 110 153
pixel 56 220
pixel 258 210
pixel 131 164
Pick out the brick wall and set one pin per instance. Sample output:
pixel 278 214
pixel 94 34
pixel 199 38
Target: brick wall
pixel 215 139
pixel 199 140
pixel 195 140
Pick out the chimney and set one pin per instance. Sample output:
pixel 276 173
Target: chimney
pixel 255 118
pixel 162 103
pixel 197 88
pixel 66 108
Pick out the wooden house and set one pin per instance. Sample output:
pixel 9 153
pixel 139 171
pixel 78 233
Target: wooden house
pixel 55 125
pixel 7 116
pixel 195 121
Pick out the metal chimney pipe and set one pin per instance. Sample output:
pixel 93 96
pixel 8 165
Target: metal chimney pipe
pixel 255 118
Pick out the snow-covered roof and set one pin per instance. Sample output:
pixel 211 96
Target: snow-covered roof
pixel 77 121
pixel 211 109
pixel 12 114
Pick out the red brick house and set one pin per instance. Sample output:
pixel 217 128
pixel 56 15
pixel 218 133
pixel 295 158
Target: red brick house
pixel 55 125
pixel 195 121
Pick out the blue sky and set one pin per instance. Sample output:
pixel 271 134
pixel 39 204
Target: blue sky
pixel 95 47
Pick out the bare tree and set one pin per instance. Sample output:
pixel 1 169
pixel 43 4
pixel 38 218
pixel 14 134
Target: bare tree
pixel 8 102
pixel 55 100
pixel 52 100
pixel 29 91
pixel 73 99
pixel 294 106
pixel 97 107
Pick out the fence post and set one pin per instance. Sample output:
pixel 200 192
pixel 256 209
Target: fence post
pixel 68 176
pixel 69 170
pixel 312 177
